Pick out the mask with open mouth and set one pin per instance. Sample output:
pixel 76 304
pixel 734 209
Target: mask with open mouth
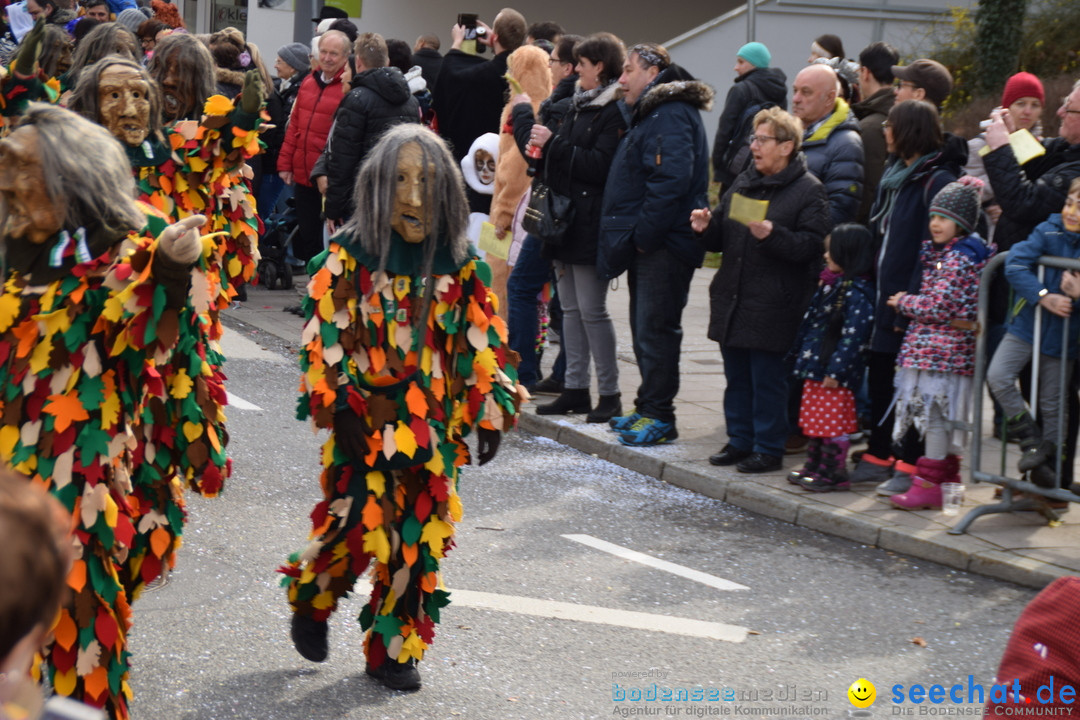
pixel 124 104
pixel 411 217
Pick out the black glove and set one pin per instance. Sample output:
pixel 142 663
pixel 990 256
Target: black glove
pixel 349 432
pixel 29 50
pixel 487 444
pixel 251 97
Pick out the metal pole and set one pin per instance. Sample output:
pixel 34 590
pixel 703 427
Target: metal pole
pixel 751 20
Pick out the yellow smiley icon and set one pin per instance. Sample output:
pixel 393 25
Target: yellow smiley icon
pixel 862 693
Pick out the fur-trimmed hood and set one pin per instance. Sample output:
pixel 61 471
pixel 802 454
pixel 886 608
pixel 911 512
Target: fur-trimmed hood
pixel 608 94
pixel 224 76
pixel 674 85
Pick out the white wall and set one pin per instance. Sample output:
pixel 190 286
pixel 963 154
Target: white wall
pixel 787 29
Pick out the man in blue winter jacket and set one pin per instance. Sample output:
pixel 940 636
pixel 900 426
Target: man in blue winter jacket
pixel 659 174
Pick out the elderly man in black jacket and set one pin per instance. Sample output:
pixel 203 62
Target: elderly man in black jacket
pixel 379 99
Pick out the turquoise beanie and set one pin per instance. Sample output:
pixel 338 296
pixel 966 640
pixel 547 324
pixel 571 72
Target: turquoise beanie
pixel 756 54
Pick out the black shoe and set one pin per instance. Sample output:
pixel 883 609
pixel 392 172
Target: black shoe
pixel 547 386
pixel 297 310
pixel 760 463
pixel 570 402
pixel 728 455
pixel 609 406
pixel 397 676
pixel 309 637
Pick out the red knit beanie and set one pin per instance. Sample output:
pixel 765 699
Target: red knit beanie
pixel 1021 85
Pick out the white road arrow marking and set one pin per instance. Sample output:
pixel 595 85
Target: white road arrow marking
pixel 650 561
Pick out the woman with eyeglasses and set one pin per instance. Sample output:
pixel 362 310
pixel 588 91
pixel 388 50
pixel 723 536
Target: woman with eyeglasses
pixel 574 159
pixel 920 164
pixel 759 294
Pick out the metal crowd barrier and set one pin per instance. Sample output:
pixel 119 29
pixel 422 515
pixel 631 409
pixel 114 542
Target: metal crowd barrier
pixel 1034 497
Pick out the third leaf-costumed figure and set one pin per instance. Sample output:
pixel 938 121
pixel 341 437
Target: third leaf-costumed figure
pixel 403 355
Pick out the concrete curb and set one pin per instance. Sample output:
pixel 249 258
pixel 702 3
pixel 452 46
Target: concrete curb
pixel 956 551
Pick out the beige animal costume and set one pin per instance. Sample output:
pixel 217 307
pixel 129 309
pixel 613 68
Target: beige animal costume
pixel 529 66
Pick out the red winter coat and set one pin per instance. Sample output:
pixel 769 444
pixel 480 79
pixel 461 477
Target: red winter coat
pixel 309 125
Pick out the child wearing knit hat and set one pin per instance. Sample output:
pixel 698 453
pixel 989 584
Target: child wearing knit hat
pixel 1054 293
pixel 937 358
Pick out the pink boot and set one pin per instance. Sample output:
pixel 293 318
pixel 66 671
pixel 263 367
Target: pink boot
pixel 925 491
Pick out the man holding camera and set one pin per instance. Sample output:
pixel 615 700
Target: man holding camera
pixel 471 91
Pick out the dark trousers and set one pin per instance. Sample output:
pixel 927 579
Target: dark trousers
pixel 659 286
pixel 308 242
pixel 756 399
pixel 881 370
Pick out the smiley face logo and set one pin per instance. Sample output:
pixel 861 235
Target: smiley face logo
pixel 862 693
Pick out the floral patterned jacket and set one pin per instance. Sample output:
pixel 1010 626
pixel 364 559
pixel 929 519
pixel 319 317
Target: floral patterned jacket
pixel 941 337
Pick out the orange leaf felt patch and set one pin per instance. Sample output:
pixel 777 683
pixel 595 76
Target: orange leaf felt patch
pixel 66 409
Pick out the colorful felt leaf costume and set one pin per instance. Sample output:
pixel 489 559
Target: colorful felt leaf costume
pixel 202 170
pixel 420 375
pixel 85 327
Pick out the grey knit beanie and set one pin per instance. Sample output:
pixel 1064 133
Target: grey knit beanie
pixel 131 19
pixel 960 202
pixel 296 55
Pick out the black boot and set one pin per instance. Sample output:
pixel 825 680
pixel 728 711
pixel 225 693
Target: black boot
pixel 609 406
pixel 1029 436
pixel 395 675
pixel 309 637
pixel 570 402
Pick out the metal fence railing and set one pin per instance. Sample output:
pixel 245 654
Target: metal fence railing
pixel 1032 497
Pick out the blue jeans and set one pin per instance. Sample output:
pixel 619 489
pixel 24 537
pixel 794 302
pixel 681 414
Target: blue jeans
pixel 755 401
pixel 527 279
pixel 659 285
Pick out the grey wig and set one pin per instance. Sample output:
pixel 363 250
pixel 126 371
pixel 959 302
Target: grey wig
pixel 445 201
pixel 197 80
pixel 87 172
pixel 84 99
pixel 106 39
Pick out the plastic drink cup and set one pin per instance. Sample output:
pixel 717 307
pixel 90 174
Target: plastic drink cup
pixel 952 498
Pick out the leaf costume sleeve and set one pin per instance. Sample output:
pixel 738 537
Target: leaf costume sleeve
pixel 79 352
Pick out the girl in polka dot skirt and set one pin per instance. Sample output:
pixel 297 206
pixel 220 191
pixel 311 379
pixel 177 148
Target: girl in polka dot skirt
pixel 830 348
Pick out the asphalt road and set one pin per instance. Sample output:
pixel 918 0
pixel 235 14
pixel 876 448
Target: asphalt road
pixel 543 625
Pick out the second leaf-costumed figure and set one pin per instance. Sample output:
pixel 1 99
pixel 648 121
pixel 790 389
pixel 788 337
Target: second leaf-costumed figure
pixel 403 355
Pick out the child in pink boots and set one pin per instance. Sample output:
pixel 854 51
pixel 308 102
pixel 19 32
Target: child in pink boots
pixel 937 359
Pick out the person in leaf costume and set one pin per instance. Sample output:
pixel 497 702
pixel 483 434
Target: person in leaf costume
pixel 403 355
pixel 183 169
pixel 94 312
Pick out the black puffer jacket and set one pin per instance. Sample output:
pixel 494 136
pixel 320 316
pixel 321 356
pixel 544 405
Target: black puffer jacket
pixel 660 173
pixel 755 87
pixel 576 163
pixel 279 106
pixel 758 296
pixel 379 99
pixel 1030 194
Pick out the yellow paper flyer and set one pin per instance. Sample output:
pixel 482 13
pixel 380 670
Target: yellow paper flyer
pixel 493 245
pixel 747 210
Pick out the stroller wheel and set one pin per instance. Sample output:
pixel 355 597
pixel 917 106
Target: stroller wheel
pixel 286 277
pixel 269 276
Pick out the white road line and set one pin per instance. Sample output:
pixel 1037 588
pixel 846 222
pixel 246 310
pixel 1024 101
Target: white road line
pixel 240 403
pixel 627 554
pixel 600 615
pixel 589 613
